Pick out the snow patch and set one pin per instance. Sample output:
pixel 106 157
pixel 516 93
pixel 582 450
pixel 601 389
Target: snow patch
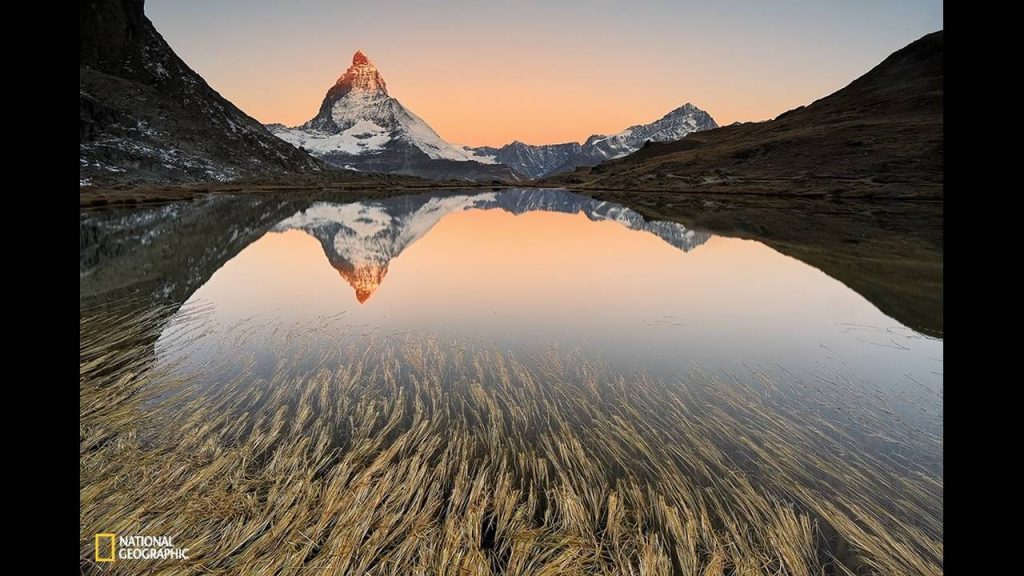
pixel 368 121
pixel 355 141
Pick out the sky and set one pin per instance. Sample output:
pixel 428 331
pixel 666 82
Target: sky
pixel 541 72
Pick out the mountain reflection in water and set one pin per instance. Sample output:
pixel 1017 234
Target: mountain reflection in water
pixel 361 239
pixel 525 269
pixel 544 351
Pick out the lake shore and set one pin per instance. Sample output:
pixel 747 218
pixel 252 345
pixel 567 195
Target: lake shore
pixel 100 196
pixel 890 250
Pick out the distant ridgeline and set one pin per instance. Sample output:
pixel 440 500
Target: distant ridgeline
pixel 361 127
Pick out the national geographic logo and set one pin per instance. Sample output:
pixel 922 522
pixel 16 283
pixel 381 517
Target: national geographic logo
pixel 105 547
pixel 111 547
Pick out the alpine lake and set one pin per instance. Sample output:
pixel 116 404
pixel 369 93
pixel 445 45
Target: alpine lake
pixel 514 381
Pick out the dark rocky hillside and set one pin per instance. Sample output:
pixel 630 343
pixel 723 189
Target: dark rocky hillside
pixel 879 137
pixel 145 116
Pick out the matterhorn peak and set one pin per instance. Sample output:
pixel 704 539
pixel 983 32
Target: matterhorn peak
pixel 361 76
pixel 360 126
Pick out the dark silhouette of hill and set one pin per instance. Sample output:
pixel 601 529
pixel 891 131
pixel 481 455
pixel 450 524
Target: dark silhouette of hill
pixel 879 137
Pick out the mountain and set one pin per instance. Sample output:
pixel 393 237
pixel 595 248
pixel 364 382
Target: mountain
pixel 879 137
pixel 360 239
pixel 527 159
pixel 145 116
pixel 361 127
pixel 670 127
pixel 541 161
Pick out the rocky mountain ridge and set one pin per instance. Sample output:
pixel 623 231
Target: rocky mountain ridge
pixel 361 127
pixel 545 160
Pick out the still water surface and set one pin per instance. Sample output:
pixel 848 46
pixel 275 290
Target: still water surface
pixel 527 270
pixel 499 376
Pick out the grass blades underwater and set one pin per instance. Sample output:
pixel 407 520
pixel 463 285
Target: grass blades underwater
pixel 417 455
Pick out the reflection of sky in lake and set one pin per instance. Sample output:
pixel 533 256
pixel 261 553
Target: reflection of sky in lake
pixel 550 278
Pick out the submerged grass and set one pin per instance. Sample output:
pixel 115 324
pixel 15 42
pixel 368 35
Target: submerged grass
pixel 425 456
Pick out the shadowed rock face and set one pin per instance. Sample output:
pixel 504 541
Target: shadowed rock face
pixel 145 116
pixel 879 137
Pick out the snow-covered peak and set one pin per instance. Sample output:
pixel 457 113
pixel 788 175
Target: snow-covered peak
pixel 672 126
pixel 361 76
pixel 360 126
pixel 684 109
pixel 359 118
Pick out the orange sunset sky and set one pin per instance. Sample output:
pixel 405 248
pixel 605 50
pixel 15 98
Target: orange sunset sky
pixel 488 73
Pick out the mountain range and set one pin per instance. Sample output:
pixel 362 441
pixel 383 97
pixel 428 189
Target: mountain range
pixel 360 239
pixel 146 117
pixel 361 127
pixel 881 136
pixel 545 160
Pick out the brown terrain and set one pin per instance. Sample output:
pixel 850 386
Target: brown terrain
pixel 365 185
pixel 879 137
pixel 850 184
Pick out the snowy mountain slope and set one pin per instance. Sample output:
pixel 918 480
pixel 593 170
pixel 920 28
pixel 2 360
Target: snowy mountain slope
pixel 672 126
pixel 539 161
pixel 362 238
pixel 360 125
pixel 529 160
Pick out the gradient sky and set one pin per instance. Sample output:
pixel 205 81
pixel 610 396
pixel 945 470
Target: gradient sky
pixel 487 73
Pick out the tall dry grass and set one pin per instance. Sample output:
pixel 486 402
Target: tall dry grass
pixel 427 456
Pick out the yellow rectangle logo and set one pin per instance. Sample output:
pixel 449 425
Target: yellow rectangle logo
pixel 102 548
